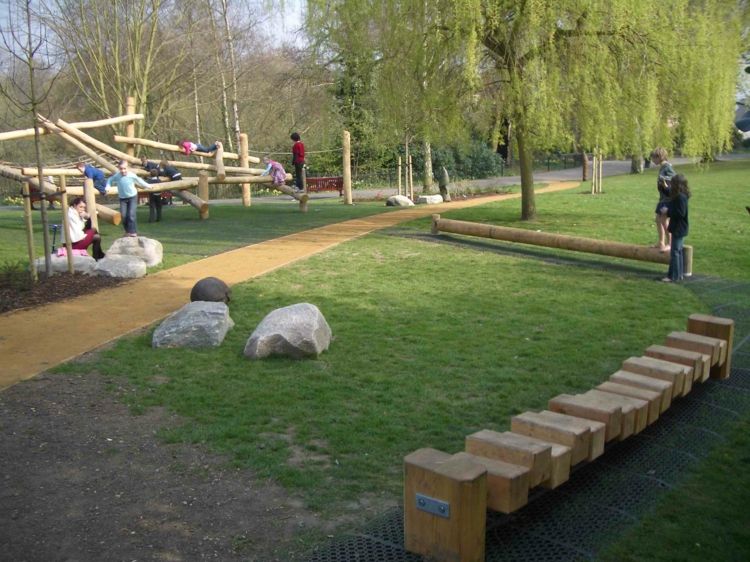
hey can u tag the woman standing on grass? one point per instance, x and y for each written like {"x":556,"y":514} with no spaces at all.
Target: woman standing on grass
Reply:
{"x":125,"y":182}
{"x":677,"y":211}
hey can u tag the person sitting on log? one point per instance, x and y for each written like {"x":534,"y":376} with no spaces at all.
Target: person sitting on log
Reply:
{"x":94,"y":174}
{"x":275,"y":170}
{"x":81,"y":233}
{"x":188,"y":147}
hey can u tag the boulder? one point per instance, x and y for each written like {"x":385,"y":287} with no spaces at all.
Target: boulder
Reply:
{"x":211,"y":289}
{"x":429,"y":199}
{"x":398,"y":201}
{"x":147,"y":249}
{"x":197,"y":324}
{"x":81,"y":264}
{"x":296,"y":331}
{"x":114,"y":265}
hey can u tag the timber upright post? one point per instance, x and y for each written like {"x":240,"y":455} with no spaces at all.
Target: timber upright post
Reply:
{"x":203,"y":192}
{"x":445,"y":506}
{"x":398,"y":176}
{"x":347,"y":165}
{"x":245,"y":163}
{"x":65,"y":225}
{"x":130,"y":125}
{"x":90,"y":198}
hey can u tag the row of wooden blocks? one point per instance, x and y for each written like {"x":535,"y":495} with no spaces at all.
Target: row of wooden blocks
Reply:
{"x":446,"y":496}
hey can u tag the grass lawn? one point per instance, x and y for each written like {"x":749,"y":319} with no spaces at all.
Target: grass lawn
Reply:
{"x":434,"y":337}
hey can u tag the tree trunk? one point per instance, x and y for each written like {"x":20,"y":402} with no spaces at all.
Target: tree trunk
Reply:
{"x":220,"y":66}
{"x":233,"y":75}
{"x":526,"y":161}
{"x":585,"y":166}
{"x":427,"y":183}
{"x":636,"y":164}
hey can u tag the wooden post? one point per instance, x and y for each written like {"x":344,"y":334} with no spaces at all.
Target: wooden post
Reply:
{"x":29,"y":229}
{"x":715,"y":327}
{"x":410,"y":166}
{"x":203,"y":192}
{"x":66,"y":223}
{"x":244,"y":163}
{"x":130,"y":125}
{"x":347,"y":167}
{"x":445,"y":506}
{"x":219,"y":157}
{"x":398,"y":176}
{"x":88,"y":195}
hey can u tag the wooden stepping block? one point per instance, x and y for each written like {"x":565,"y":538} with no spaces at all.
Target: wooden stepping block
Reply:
{"x":584,"y":437}
{"x":652,"y":397}
{"x":507,"y":484}
{"x":593,"y":409}
{"x":515,"y":449}
{"x":435,"y":483}
{"x":681,"y":376}
{"x":714,"y":347}
{"x":638,"y":407}
{"x":665,"y":388}
{"x":715,"y":327}
{"x":560,"y":468}
{"x":696,"y":361}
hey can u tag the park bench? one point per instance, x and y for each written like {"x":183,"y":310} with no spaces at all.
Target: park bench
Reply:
{"x":336,"y":183}
{"x":446,"y":496}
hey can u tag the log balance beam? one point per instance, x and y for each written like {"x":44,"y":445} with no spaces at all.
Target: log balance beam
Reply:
{"x":446,"y":495}
{"x":561,"y":241}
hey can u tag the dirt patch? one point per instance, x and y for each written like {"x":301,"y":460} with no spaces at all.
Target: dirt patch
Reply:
{"x":17,"y":292}
{"x":83,"y":479}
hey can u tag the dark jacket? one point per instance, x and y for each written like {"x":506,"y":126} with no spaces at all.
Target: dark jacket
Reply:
{"x":677,"y":209}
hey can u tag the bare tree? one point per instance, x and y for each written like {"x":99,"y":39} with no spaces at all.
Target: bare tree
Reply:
{"x":30,"y":75}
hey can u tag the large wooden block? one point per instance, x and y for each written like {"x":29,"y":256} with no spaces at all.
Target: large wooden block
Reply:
{"x":435,"y":479}
{"x":639,"y":408}
{"x":560,"y":467}
{"x":696,"y":361}
{"x":562,"y":428}
{"x":507,"y":484}
{"x":577,"y":438}
{"x":664,"y":388}
{"x":515,"y":449}
{"x":715,"y":327}
{"x":652,"y":397}
{"x":715,"y":347}
{"x":677,"y":374}
{"x":590,"y":408}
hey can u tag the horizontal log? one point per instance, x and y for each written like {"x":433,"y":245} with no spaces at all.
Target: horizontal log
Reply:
{"x":28,"y":171}
{"x":109,"y":215}
{"x":172,"y":147}
{"x":193,"y":200}
{"x":560,"y":241}
{"x":28,"y":133}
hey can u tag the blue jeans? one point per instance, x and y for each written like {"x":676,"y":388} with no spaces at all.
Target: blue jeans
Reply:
{"x":128,"y":207}
{"x":676,"y":271}
{"x":202,"y":148}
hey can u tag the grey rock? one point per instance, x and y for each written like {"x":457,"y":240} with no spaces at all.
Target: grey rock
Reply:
{"x":211,"y":289}
{"x":398,"y":201}
{"x":296,"y":331}
{"x":147,"y":249}
{"x":114,"y":265}
{"x":197,"y":324}
{"x":429,"y":199}
{"x":81,"y":264}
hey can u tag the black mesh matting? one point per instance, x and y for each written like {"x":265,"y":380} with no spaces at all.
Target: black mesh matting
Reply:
{"x":603,"y":498}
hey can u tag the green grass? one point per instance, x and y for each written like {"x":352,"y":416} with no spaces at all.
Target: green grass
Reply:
{"x":434,"y":338}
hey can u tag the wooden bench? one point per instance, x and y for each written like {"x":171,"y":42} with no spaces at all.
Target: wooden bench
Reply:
{"x":446,"y":496}
{"x":334,"y":183}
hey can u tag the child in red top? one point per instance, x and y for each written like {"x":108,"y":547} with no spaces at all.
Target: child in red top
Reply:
{"x":298,"y":160}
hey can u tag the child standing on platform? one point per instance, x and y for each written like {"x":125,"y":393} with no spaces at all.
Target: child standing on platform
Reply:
{"x":659,"y":158}
{"x":125,"y":182}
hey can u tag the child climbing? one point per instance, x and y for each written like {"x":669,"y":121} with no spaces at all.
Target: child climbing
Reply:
{"x":275,"y":170}
{"x":188,"y":147}
{"x":154,"y":199}
{"x":659,"y":158}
